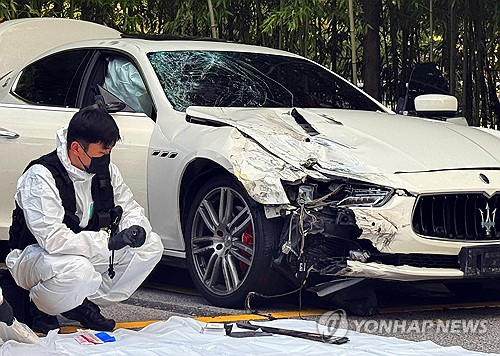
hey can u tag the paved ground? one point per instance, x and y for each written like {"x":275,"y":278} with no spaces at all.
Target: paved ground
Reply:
{"x":428,"y":312}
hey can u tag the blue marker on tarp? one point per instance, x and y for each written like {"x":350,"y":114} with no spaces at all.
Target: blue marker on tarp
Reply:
{"x":105,"y":337}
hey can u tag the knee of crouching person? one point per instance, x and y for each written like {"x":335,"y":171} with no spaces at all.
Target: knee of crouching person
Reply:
{"x":156,"y":244}
{"x":81,"y":269}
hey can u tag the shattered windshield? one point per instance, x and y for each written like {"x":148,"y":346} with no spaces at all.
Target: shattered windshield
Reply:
{"x":239,"y":79}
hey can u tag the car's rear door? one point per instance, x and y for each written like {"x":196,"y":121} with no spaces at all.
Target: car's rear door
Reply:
{"x":46,"y":91}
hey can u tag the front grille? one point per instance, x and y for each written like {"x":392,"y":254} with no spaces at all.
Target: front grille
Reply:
{"x":458,"y":216}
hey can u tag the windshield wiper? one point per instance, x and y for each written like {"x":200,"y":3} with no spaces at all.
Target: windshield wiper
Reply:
{"x":299,"y":119}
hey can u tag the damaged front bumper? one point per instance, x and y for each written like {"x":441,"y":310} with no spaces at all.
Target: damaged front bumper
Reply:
{"x":472,"y":262}
{"x":397,"y":273}
{"x":329,"y":242}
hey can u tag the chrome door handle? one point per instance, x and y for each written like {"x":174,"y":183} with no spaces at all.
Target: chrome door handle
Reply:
{"x":8,"y":134}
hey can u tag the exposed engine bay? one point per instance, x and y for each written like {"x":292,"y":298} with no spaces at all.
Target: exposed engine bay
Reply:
{"x":319,"y":234}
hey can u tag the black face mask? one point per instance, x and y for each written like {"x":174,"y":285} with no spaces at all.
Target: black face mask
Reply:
{"x":98,"y":165}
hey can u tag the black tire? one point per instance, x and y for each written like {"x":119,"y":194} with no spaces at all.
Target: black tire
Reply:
{"x":258,"y":276}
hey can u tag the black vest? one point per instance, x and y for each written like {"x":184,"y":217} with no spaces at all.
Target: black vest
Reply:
{"x":102,"y":194}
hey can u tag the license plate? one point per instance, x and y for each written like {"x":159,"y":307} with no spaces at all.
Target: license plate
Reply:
{"x":480,"y":261}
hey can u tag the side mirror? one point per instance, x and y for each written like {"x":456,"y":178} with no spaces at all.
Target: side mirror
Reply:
{"x":115,"y":106}
{"x":436,"y":105}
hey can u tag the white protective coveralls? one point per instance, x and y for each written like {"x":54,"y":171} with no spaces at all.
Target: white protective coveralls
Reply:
{"x":65,"y":268}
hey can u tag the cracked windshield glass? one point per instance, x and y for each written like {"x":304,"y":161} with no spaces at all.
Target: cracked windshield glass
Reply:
{"x":240,"y":79}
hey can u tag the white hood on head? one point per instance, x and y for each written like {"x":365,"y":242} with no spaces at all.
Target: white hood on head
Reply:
{"x":76,"y":174}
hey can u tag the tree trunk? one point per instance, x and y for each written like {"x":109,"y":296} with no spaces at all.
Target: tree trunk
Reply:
{"x":259,"y":33}
{"x":480,"y":51}
{"x":371,"y":47}
{"x":304,"y":38}
{"x":476,"y":99}
{"x":393,"y":33}
{"x":445,"y":49}
{"x":281,"y":34}
{"x":494,"y":102}
{"x":431,"y":33}
{"x":87,"y":11}
{"x":211,"y":14}
{"x":333,"y":42}
{"x":58,"y":8}
{"x":414,"y":46}
{"x":386,"y":92}
{"x":405,"y":63}
{"x":453,"y":46}
{"x":71,"y":9}
{"x":352,"y":36}
{"x":230,"y":21}
{"x":243,"y":26}
{"x":466,"y":70}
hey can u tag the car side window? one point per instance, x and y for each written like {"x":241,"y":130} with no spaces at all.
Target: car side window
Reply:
{"x":123,"y":80}
{"x":54,"y":80}
{"x":117,"y":80}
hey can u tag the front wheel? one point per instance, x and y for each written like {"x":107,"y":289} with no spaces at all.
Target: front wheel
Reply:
{"x":229,"y":243}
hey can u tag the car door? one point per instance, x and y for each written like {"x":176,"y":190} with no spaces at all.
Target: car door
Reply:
{"x":117,"y":79}
{"x":46,"y":91}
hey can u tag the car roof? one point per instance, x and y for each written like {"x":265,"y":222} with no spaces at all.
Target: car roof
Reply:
{"x":44,"y":36}
{"x":147,"y":46}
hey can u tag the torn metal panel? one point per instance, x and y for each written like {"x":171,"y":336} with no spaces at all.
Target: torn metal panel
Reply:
{"x":398,"y":273}
{"x":382,"y":225}
{"x":376,"y":227}
{"x":369,"y":147}
{"x":259,"y":170}
{"x":278,"y":132}
{"x":260,"y":173}
{"x":331,"y":287}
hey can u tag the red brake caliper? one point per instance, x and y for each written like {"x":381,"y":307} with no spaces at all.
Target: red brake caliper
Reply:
{"x":247,"y":239}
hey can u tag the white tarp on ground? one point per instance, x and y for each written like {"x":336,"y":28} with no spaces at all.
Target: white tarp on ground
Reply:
{"x":182,"y":336}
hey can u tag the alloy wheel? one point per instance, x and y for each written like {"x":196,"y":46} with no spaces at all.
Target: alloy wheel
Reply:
{"x":222,"y":240}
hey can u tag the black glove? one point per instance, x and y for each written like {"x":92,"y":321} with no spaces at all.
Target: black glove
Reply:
{"x":6,"y":314}
{"x":133,"y":236}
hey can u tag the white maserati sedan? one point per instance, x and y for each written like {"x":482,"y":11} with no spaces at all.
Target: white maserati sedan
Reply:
{"x":257,"y":165}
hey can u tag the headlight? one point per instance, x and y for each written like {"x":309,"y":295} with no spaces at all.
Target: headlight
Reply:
{"x":346,"y":194}
{"x":366,"y":196}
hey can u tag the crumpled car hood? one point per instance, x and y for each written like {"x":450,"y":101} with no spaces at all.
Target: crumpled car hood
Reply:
{"x":359,"y":144}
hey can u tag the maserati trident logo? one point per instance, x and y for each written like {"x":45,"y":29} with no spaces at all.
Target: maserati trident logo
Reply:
{"x":488,"y":219}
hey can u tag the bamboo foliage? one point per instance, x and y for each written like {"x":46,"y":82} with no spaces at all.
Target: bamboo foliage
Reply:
{"x":391,"y":36}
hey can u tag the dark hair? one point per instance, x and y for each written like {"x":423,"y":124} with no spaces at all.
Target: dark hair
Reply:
{"x":93,"y":124}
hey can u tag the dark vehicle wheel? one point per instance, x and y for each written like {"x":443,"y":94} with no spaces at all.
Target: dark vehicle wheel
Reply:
{"x":229,"y":243}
